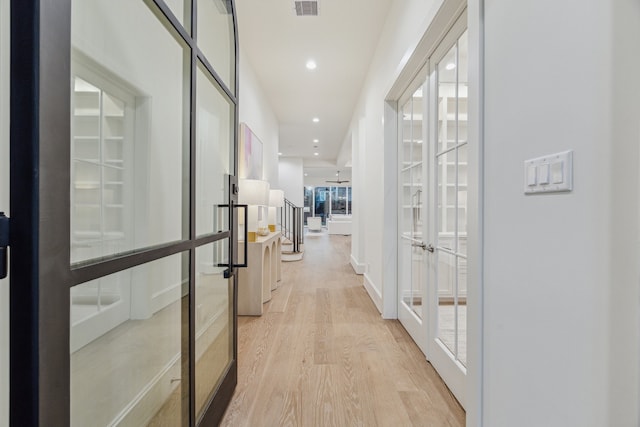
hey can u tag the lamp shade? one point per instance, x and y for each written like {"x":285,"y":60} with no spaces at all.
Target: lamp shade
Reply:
{"x":276,"y":198}
{"x":253,"y":192}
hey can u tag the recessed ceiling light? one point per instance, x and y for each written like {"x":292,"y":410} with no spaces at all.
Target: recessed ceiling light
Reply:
{"x":306,"y":174}
{"x":316,"y":120}
{"x":316,"y":154}
{"x":450,"y":66}
{"x":316,"y":141}
{"x":279,"y":154}
{"x":311,"y":64}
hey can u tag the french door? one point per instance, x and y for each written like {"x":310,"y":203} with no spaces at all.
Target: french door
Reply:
{"x":432,"y":150}
{"x":447,"y":263}
{"x":413,"y":214}
{"x":123,"y":142}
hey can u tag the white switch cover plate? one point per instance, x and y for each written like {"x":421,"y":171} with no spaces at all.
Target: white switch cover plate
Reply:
{"x":560,"y":168}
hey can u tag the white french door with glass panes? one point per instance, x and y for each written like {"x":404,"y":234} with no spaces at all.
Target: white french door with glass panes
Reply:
{"x":412,"y":215}
{"x":432,"y":209}
{"x":447,"y":264}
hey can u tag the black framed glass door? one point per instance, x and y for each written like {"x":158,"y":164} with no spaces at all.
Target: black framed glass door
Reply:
{"x":123,"y":142}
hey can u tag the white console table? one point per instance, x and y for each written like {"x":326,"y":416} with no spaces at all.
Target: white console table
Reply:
{"x":262,"y":274}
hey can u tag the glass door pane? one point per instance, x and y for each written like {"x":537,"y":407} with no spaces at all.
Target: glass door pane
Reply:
{"x":215,"y":156}
{"x":406,"y":220}
{"x":216,"y":38}
{"x":338,"y":200}
{"x":405,"y":228}
{"x":308,"y":203}
{"x":412,"y":222}
{"x":451,"y":215}
{"x":129,"y":127}
{"x":182,"y":10}
{"x":131,"y":371}
{"x":214,"y":321}
{"x":321,"y":206}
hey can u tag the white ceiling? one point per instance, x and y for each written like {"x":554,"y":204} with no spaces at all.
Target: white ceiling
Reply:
{"x":341,"y":40}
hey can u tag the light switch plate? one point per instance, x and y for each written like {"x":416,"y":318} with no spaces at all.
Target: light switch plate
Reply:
{"x":543,"y":174}
{"x":554,"y":173}
{"x":557,"y":172}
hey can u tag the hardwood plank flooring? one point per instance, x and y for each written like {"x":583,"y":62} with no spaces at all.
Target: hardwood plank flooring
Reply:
{"x":322,"y":355}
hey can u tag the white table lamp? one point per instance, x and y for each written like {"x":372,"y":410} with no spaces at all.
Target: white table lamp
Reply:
{"x":276,"y":200}
{"x":253,"y":193}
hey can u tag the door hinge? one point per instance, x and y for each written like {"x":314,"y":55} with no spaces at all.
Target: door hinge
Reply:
{"x":4,"y":243}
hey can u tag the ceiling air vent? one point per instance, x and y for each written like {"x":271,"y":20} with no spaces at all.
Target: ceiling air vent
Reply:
{"x":306,"y":8}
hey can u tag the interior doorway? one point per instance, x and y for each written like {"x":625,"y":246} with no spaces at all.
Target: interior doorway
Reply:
{"x":449,"y":164}
{"x":433,"y":180}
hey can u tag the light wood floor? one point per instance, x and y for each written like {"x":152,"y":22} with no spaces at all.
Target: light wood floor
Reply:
{"x":322,"y":355}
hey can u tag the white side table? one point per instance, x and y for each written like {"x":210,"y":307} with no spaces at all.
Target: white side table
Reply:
{"x":262,"y":274}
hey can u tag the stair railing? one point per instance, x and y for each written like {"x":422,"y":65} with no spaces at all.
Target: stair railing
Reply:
{"x":292,"y":224}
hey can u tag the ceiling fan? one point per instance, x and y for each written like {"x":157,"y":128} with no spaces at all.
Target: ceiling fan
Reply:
{"x":338,"y":181}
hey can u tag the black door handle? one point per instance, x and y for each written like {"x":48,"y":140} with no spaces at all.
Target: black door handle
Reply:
{"x":4,"y":243}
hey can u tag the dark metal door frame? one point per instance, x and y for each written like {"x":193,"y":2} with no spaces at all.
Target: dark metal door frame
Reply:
{"x":41,"y":275}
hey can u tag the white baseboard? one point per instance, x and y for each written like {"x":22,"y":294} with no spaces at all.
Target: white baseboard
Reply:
{"x":358,"y":267}
{"x":152,"y":396}
{"x":375,"y":296}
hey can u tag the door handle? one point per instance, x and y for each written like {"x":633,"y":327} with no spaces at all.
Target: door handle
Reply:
{"x":4,"y":243}
{"x":229,"y":271}
{"x":245,"y":209}
{"x":424,"y":246}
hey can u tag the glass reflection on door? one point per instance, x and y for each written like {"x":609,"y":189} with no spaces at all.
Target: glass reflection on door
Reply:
{"x":138,"y":192}
{"x":215,"y":156}
{"x":413,"y":204}
{"x":132,"y":372}
{"x":338,"y":200}
{"x":321,"y":203}
{"x":214,"y":320}
{"x":129,"y":130}
{"x":451,"y":215}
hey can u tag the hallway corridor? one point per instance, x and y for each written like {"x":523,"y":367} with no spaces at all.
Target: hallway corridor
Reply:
{"x":322,"y":355}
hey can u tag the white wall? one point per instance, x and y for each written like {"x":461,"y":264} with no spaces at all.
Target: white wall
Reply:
{"x":4,"y":206}
{"x":561,"y":274}
{"x":258,"y":114}
{"x":561,"y":280}
{"x":624,"y":302}
{"x":358,"y":179}
{"x":291,"y":179}
{"x":406,"y":23}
